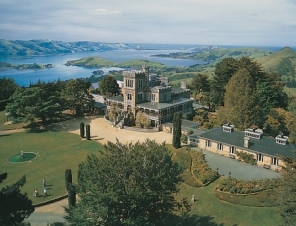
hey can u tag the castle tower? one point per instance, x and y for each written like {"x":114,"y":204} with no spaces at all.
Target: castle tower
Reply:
{"x":135,"y":85}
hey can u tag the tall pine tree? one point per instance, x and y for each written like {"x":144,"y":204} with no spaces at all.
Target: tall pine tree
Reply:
{"x":286,"y":197}
{"x":177,"y":130}
{"x":241,"y":107}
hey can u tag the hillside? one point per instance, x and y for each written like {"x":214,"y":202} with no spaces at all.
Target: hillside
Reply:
{"x":213,"y":55}
{"x":272,"y":61}
{"x":39,"y":47}
{"x":93,"y":62}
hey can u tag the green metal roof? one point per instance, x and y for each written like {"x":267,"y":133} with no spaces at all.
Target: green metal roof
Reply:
{"x":118,"y":98}
{"x":264,"y":145}
{"x":159,"y":106}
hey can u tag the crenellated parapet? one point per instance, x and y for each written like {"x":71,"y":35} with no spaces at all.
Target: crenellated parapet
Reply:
{"x":133,"y":73}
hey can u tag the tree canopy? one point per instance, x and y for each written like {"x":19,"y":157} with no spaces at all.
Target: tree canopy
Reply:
{"x":286,"y":197}
{"x":241,"y":105}
{"x":129,"y":184}
{"x":76,"y":95}
{"x":109,"y":86}
{"x":14,"y":206}
{"x":177,"y":130}
{"x":31,"y":103}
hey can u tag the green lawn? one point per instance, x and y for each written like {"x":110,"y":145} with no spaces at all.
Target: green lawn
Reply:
{"x":209,"y":210}
{"x":61,"y":150}
{"x":57,"y":151}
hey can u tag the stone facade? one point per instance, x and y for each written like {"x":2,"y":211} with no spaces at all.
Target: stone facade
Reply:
{"x":267,"y":151}
{"x":159,"y":103}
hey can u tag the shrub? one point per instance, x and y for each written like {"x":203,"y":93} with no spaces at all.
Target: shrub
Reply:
{"x":246,"y":157}
{"x":184,"y":138}
{"x":82,"y":129}
{"x":235,"y":186}
{"x":88,"y":132}
{"x":68,"y":178}
{"x":201,"y":170}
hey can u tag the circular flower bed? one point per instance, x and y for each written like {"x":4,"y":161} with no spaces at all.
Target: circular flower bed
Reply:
{"x":22,"y":157}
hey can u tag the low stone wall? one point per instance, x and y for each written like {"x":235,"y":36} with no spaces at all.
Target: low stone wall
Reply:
{"x":140,"y":129}
{"x":51,"y":201}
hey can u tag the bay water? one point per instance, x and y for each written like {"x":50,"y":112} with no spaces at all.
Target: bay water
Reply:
{"x":63,"y":72}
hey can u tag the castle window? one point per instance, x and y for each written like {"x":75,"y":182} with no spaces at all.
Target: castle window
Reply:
{"x":140,"y":96}
{"x":164,"y":97}
{"x":275,"y":161}
{"x":129,"y":96}
{"x":260,"y":157}
{"x":152,"y":97}
{"x":129,"y":83}
{"x":140,"y":83}
{"x":232,"y":150}
{"x":220,"y":147}
{"x":208,"y":143}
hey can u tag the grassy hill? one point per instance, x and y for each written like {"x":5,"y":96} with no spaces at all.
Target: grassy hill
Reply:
{"x":270,"y":62}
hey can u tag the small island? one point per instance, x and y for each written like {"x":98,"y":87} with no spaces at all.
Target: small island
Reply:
{"x":6,"y":66}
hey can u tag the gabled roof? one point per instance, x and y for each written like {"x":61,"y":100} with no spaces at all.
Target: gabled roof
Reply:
{"x":98,"y":98}
{"x":264,"y":145}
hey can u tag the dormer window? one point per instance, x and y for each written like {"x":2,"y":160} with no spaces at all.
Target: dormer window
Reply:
{"x":228,"y":128}
{"x":254,"y":133}
{"x":280,"y":139}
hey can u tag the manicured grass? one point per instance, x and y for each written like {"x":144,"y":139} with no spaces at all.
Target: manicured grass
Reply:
{"x":209,"y":210}
{"x":212,"y":211}
{"x":61,"y":150}
{"x":57,"y":151}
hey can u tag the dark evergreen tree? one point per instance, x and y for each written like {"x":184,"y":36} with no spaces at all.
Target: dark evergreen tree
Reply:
{"x":31,"y":103}
{"x":68,"y":178}
{"x":7,"y":88}
{"x":223,"y":72}
{"x":71,"y":196}
{"x":87,"y":132}
{"x":177,"y":130}
{"x":128,"y":184}
{"x":286,"y":197}
{"x":109,"y":86}
{"x":199,"y":83}
{"x":82,"y":132}
{"x":241,"y":103}
{"x":77,"y":97}
{"x":14,"y":206}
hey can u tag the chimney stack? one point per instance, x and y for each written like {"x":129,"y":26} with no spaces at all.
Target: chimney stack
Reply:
{"x":246,"y":142}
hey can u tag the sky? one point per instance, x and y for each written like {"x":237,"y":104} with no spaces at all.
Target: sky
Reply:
{"x":198,"y":22}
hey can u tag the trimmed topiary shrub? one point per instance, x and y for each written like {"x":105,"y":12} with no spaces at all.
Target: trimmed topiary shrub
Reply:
{"x":82,"y":129}
{"x":68,"y":178}
{"x":88,"y":132}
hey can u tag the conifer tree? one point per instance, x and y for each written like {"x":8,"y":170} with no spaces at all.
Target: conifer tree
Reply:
{"x":14,"y":206}
{"x":129,"y":184}
{"x":68,"y":178}
{"x":286,"y":197}
{"x":177,"y":130}
{"x":82,"y":132}
{"x":241,"y":106}
{"x":87,"y":132}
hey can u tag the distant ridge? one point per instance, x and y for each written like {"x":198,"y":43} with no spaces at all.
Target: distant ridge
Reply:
{"x":270,"y":62}
{"x":40,"y":47}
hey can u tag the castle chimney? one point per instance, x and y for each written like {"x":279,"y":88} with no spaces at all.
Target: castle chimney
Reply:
{"x":246,"y":142}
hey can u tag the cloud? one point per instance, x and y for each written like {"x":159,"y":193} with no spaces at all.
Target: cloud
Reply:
{"x":104,"y":12}
{"x":227,"y":22}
